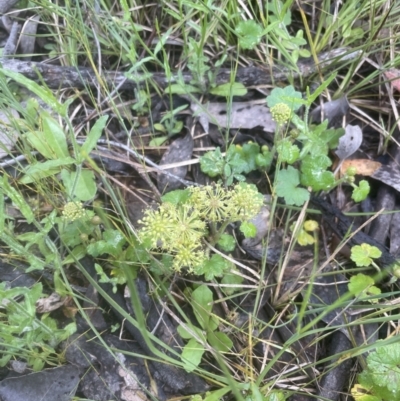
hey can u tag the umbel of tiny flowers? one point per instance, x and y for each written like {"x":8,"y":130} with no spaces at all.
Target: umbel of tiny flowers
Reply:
{"x":245,"y":202}
{"x":73,"y":211}
{"x":179,"y":229}
{"x":211,"y":201}
{"x":281,"y":113}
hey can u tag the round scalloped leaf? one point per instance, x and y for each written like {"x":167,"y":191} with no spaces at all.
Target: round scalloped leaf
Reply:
{"x":249,"y":33}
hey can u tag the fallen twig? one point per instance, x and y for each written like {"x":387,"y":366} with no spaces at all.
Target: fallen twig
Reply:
{"x":57,"y":77}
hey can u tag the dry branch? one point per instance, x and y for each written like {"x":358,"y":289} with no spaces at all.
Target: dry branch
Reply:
{"x":57,"y":77}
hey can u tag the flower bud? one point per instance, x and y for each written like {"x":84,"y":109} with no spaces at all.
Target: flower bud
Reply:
{"x":281,"y":113}
{"x":95,"y":220}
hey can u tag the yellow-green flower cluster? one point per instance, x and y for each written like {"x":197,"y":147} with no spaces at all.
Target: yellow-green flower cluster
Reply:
{"x":73,"y":211}
{"x":211,"y":201}
{"x":179,"y":229}
{"x":245,"y":202}
{"x":281,"y":113}
{"x":216,"y":204}
{"x":188,"y":257}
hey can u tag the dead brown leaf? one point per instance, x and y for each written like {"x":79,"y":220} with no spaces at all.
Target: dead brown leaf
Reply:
{"x":394,"y":76}
{"x":363,"y":166}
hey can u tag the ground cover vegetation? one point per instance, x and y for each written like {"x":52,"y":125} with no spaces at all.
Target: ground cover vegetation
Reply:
{"x":199,"y":199}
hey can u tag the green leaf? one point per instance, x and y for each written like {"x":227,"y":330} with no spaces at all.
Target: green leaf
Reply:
{"x":275,"y":395}
{"x":363,"y":286}
{"x":304,"y":53}
{"x":248,"y":229}
{"x":80,"y":185}
{"x":17,"y":199}
{"x":363,"y":254}
{"x":112,"y":244}
{"x":94,"y":135}
{"x":248,"y":153}
{"x":233,"y":280}
{"x":186,"y":335}
{"x":162,"y":266}
{"x":361,"y":192}
{"x":312,"y":97}
{"x":38,"y":364}
{"x":304,"y":238}
{"x":43,"y":92}
{"x":182,"y":89}
{"x":68,"y":232}
{"x":249,"y":33}
{"x":212,"y":163}
{"x":287,"y":187}
{"x":384,"y":365}
{"x":213,"y":267}
{"x":369,"y":388}
{"x":360,"y":393}
{"x":229,"y":89}
{"x":161,"y":41}
{"x":264,"y":160}
{"x":288,"y":152}
{"x":314,"y":173}
{"x":136,"y":252}
{"x":287,"y":95}
{"x":315,"y":162}
{"x":38,"y":171}
{"x":54,"y":137}
{"x":216,"y":395}
{"x":2,"y":212}
{"x":192,"y":354}
{"x":158,"y":141}
{"x":34,"y":262}
{"x":75,"y":254}
{"x":331,"y":137}
{"x":359,"y":283}
{"x":202,"y":299}
{"x":219,"y":341}
{"x":318,"y":180}
{"x":37,"y":141}
{"x":227,"y":243}
{"x":176,"y":197}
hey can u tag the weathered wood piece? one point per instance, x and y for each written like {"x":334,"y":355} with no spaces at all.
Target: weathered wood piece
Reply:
{"x":57,"y":77}
{"x":5,"y":5}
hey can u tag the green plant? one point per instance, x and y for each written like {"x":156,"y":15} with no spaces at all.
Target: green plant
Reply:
{"x":50,"y":140}
{"x":303,"y":236}
{"x":380,"y":380}
{"x":201,"y":300}
{"x":169,"y":123}
{"x":238,"y":161}
{"x":23,"y":334}
{"x":304,"y":150}
{"x":117,"y":36}
{"x":250,"y":34}
{"x":363,"y":255}
{"x":80,"y":231}
{"x":363,"y":286}
{"x":280,"y":17}
{"x":311,"y":158}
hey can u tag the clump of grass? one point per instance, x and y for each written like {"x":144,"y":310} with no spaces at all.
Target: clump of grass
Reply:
{"x":141,"y":39}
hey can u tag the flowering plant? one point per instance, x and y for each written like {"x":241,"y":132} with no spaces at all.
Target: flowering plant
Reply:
{"x":187,"y":220}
